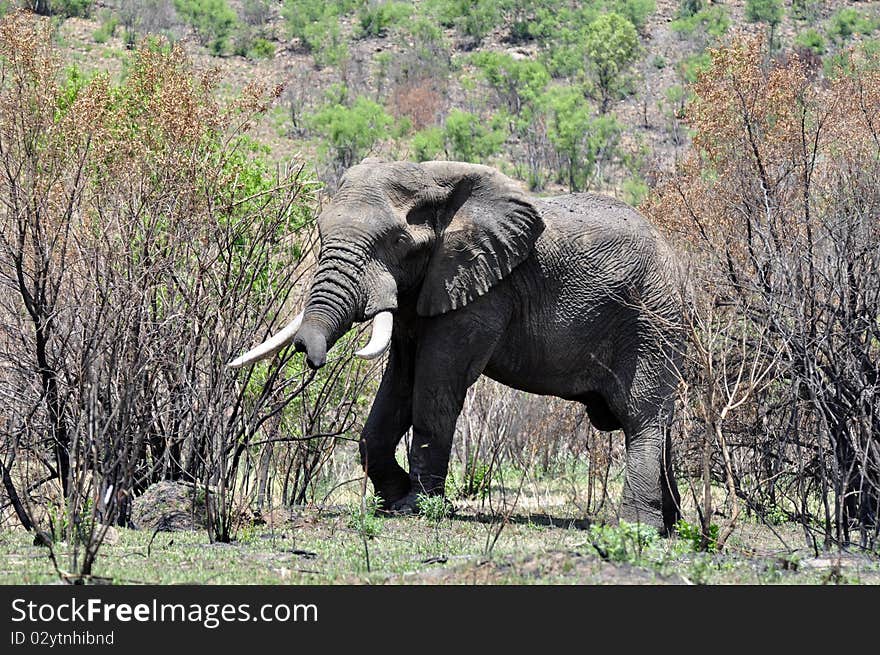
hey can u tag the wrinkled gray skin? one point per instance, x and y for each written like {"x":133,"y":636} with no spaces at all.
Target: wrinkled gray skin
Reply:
{"x":573,"y":296}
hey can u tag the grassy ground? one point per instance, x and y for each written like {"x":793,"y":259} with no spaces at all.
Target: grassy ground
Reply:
{"x":327,"y":546}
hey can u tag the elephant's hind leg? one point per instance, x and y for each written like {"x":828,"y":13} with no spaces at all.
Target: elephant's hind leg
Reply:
{"x":650,"y":495}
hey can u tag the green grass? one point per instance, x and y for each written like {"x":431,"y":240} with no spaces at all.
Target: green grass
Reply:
{"x":312,"y":546}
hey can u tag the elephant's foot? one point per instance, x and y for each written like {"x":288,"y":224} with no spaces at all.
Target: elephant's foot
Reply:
{"x":409,"y":504}
{"x":392,"y":488}
{"x":632,"y":512}
{"x":413,"y":503}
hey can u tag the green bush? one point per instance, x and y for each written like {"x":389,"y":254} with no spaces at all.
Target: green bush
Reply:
{"x":473,"y":18}
{"x":348,"y":133}
{"x":806,"y":10}
{"x":213,"y":21}
{"x":580,"y":139}
{"x":764,"y":11}
{"x":634,"y":191}
{"x":469,"y":139}
{"x":428,"y":144}
{"x":518,"y":82}
{"x":107,"y":29}
{"x":693,"y":534}
{"x":262,"y":49}
{"x":636,"y":12}
{"x":688,"y":8}
{"x":811,"y":40}
{"x":72,"y":8}
{"x":848,"y":22}
{"x":316,"y":24}
{"x":434,"y":508}
{"x":363,"y":517}
{"x":611,"y":47}
{"x":690,"y":67}
{"x":712,"y":22}
{"x":377,"y":16}
{"x":628,"y":543}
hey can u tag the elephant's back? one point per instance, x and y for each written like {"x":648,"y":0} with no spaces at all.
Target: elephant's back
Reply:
{"x":573,"y":215}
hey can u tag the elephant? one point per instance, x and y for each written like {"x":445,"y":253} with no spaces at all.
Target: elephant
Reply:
{"x":464,"y":274}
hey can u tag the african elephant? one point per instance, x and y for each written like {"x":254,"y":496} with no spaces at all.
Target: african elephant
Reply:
{"x":574,"y":296}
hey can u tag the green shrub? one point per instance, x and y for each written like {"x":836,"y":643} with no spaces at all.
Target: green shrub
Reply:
{"x":611,"y":47}
{"x":348,"y":133}
{"x":469,"y":139}
{"x":377,"y":16}
{"x":428,"y":144}
{"x":764,"y":11}
{"x":316,"y":25}
{"x":434,"y":508}
{"x":848,"y":22}
{"x":805,"y":10}
{"x":636,"y":12}
{"x":693,"y":534}
{"x":213,"y":21}
{"x":690,"y":67}
{"x":712,"y":22}
{"x":262,"y":49}
{"x":811,"y":40}
{"x":689,"y":8}
{"x":72,"y":8}
{"x":629,"y":543}
{"x":579,"y":139}
{"x":634,"y":190}
{"x":473,"y":18}
{"x":107,"y":29}
{"x":363,"y":518}
{"x":517,"y":82}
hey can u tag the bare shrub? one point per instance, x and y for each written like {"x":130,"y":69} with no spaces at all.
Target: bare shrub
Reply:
{"x":419,"y":101}
{"x":143,"y":243}
{"x":779,"y":201}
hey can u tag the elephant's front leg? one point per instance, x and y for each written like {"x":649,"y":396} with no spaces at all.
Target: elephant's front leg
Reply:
{"x":450,"y":358}
{"x":390,"y":417}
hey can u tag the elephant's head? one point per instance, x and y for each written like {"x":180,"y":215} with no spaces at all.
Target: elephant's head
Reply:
{"x":442,"y":233}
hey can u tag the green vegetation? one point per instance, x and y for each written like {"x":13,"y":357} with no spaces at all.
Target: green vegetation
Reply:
{"x":709,"y":23}
{"x":580,"y":139}
{"x":376,"y":17}
{"x":611,"y":47}
{"x":562,"y":96}
{"x":213,"y":21}
{"x":349,"y":131}
{"x":434,"y":508}
{"x":766,"y":11}
{"x":693,"y":534}
{"x":363,"y":517}
{"x":71,"y":8}
{"x":469,"y":138}
{"x":811,"y":40}
{"x":848,"y":22}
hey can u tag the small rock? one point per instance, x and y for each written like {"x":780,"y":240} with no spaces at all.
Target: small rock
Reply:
{"x":43,"y":538}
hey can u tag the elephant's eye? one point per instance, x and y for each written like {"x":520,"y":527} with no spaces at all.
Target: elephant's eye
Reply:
{"x":402,"y":239}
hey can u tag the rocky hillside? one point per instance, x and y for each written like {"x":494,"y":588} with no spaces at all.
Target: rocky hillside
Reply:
{"x":582,"y":95}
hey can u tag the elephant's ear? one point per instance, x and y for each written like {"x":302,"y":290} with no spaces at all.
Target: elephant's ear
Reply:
{"x":486,"y":227}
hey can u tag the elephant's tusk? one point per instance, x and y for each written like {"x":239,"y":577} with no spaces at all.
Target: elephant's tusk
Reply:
{"x":380,"y":339}
{"x":271,"y":345}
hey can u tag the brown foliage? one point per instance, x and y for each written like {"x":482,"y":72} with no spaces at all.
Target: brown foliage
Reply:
{"x":778,"y":206}
{"x":419,"y":101}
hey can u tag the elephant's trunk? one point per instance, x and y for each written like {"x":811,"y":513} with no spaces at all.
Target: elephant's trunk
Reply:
{"x":312,"y":340}
{"x":336,"y":300}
